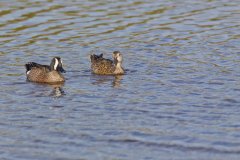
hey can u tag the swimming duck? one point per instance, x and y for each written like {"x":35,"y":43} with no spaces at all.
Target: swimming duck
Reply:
{"x":45,"y":74}
{"x":100,"y":65}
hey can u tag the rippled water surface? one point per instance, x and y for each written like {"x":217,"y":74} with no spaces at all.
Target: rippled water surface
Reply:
{"x":178,"y":100}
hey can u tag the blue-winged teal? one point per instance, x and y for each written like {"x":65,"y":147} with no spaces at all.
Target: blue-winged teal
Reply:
{"x":45,"y":74}
{"x":100,"y":65}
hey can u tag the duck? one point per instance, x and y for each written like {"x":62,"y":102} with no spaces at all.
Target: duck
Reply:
{"x":45,"y":73}
{"x":103,"y":66}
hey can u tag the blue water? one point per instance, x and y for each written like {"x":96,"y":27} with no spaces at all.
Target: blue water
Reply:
{"x":178,"y":100}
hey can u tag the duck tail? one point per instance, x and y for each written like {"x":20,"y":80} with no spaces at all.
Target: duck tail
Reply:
{"x":30,"y":65}
{"x":95,"y":57}
{"x":92,"y":57}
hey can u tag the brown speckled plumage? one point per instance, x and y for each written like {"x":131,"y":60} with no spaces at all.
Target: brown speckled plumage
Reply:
{"x":45,"y":74}
{"x":100,"y":65}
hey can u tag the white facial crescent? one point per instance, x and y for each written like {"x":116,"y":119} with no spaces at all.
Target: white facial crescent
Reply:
{"x":56,"y":64}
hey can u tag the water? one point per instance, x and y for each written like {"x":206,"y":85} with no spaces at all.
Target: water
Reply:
{"x":178,"y":100}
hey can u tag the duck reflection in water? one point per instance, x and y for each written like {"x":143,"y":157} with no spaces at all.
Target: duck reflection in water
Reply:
{"x":57,"y":90}
{"x":103,"y":79}
{"x":117,"y":81}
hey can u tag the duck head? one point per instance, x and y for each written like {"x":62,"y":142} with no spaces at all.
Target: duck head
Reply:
{"x":57,"y":64}
{"x":117,"y":56}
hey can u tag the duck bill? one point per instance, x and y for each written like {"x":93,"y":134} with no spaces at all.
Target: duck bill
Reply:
{"x":62,"y":70}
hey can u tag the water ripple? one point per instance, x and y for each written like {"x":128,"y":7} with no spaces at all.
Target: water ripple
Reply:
{"x":180,"y":94}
